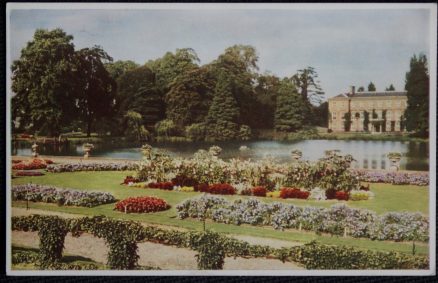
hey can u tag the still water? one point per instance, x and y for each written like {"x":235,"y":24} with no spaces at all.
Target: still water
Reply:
{"x":368,"y":154}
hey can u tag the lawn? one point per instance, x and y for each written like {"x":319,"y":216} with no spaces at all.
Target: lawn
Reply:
{"x":387,"y":198}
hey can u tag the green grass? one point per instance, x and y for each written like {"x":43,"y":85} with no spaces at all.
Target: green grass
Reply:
{"x":387,"y":198}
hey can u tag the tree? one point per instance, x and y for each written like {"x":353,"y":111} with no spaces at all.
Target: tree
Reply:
{"x":223,"y":114}
{"x":288,"y":115}
{"x":189,"y":97}
{"x":306,"y":81}
{"x":118,"y":68}
{"x":266,"y":90}
{"x":134,"y":126}
{"x":95,"y":87}
{"x":361,"y":89}
{"x":366,"y":121}
{"x":371,"y":87}
{"x":321,"y":114}
{"x":239,"y":62}
{"x":390,"y":88}
{"x":42,"y":82}
{"x":347,"y":121}
{"x":138,"y":92}
{"x":417,"y":87}
{"x":172,"y":65}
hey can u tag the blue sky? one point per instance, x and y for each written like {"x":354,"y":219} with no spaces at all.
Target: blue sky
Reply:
{"x":346,"y":47}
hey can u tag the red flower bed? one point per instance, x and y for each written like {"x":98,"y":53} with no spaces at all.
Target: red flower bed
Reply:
{"x":32,"y":165}
{"x":162,"y":186}
{"x":142,"y":204}
{"x":342,"y":195}
{"x":130,"y":179}
{"x":246,"y":192}
{"x":48,"y":161}
{"x":28,"y":173}
{"x":293,"y":193}
{"x":218,"y":189}
{"x":258,"y":191}
{"x":16,"y":161}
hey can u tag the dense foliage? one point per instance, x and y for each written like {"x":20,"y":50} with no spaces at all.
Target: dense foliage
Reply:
{"x":336,"y":220}
{"x":61,"y":196}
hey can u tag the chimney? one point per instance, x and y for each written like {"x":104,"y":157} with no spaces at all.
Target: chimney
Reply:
{"x":352,"y":90}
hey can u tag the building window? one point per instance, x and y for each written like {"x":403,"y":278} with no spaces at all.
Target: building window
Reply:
{"x":334,"y":115}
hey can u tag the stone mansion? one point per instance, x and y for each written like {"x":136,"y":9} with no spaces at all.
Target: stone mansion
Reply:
{"x":367,"y":111}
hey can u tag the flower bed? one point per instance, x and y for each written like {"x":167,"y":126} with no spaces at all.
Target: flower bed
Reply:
{"x":161,"y":185}
{"x":28,"y":173}
{"x":360,"y":195}
{"x":219,"y":189}
{"x":396,"y":178}
{"x":256,"y":191}
{"x":293,"y":193}
{"x":141,"y":205}
{"x":30,"y":165}
{"x":50,"y":194}
{"x":107,"y":166}
{"x":337,"y":220}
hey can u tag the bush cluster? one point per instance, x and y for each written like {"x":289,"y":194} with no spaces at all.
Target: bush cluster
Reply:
{"x":61,"y":196}
{"x":142,"y":204}
{"x":336,"y":220}
{"x":293,"y":193}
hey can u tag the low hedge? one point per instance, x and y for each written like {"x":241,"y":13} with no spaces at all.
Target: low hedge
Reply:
{"x":123,"y":236}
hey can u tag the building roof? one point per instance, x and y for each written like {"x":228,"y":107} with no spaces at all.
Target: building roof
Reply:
{"x":379,"y":94}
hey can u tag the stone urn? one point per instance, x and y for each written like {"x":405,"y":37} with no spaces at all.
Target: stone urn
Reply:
{"x":34,"y":150}
{"x":146,"y":149}
{"x":394,"y":160}
{"x":243,"y":148}
{"x":87,"y":149}
{"x":296,"y":154}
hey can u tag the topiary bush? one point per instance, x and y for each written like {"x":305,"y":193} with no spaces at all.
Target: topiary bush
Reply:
{"x":210,"y":247}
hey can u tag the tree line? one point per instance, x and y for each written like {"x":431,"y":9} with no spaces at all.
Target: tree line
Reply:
{"x":59,"y":89}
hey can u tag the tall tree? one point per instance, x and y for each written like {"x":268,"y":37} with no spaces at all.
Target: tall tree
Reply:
{"x":266,"y":90}
{"x":138,"y":92}
{"x":371,"y":87}
{"x":240,"y":64}
{"x":289,"y":116}
{"x":361,"y":89}
{"x":95,"y":87}
{"x":223,"y":114}
{"x":417,"y":87}
{"x":390,"y":88}
{"x":308,"y":85}
{"x":42,"y":82}
{"x":189,"y":97}
{"x":321,"y":114}
{"x":171,"y":65}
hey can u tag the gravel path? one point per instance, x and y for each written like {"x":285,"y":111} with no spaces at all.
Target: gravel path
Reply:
{"x":152,"y":254}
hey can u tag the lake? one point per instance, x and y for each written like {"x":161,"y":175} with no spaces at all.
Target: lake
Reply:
{"x":368,"y":154}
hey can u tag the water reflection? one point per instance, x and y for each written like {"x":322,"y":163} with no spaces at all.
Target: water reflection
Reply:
{"x":368,"y":154}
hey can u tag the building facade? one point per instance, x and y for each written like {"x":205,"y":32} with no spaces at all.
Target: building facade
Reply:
{"x":374,"y":112}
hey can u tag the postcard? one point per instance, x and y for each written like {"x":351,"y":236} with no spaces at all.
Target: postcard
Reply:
{"x":221,"y":139}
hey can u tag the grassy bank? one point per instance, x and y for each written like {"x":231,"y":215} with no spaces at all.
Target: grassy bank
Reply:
{"x":388,"y":198}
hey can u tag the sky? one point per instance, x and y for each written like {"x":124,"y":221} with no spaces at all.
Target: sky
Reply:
{"x":346,"y":47}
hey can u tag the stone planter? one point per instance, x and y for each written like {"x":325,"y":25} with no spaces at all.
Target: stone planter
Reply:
{"x":87,"y":149}
{"x":394,"y":161}
{"x":34,"y":150}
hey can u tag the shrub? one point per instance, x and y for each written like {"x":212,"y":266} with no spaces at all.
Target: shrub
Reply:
{"x":259,"y":191}
{"x":293,"y":193}
{"x":29,"y":173}
{"x":141,"y":204}
{"x":342,"y":195}
{"x":104,"y":166}
{"x":219,"y":189}
{"x":246,"y":192}
{"x":210,"y":247}
{"x":50,"y":194}
{"x":161,"y":185}
{"x":330,"y":194}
